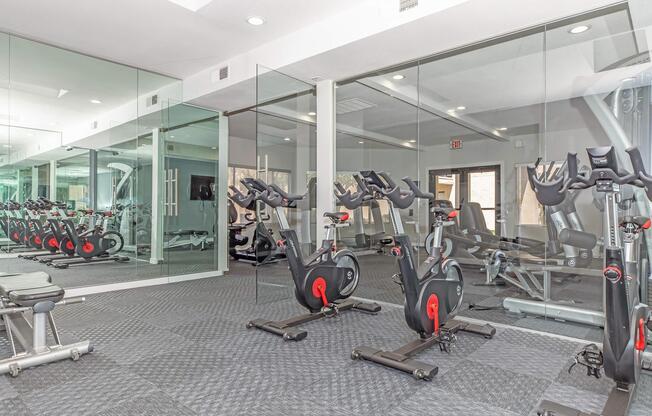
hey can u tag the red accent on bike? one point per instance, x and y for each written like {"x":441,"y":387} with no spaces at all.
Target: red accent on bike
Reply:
{"x":16,"y":236}
{"x":70,"y":245}
{"x":38,"y":240}
{"x":53,"y":243}
{"x":87,"y":247}
{"x":641,"y":338}
{"x":453,"y":214}
{"x":319,"y":289}
{"x":647,"y":224}
{"x":432,"y":309}
{"x":613,"y":269}
{"x":396,"y":251}
{"x":344,"y":217}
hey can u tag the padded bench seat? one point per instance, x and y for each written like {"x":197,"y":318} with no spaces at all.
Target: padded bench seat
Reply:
{"x":30,"y":288}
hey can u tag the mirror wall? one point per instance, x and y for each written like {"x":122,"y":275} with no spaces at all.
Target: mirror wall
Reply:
{"x":88,"y":148}
{"x":466,"y":123}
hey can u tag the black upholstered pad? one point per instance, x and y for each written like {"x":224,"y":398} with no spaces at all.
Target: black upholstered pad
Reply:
{"x":30,"y":288}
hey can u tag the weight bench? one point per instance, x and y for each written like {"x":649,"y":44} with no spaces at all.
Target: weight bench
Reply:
{"x":26,"y":304}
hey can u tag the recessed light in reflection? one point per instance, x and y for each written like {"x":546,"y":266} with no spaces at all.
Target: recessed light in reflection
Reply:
{"x":461,"y":108}
{"x":628,"y":79}
{"x":312,"y":114}
{"x":214,"y":147}
{"x":579,"y":29}
{"x":256,"y":21}
{"x":287,"y":139}
{"x":502,"y":128}
{"x":361,"y":142}
{"x":96,"y":101}
{"x":413,"y":141}
{"x":398,"y":77}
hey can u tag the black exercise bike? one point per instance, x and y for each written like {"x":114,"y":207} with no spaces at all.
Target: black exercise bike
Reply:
{"x":323,"y":281}
{"x":626,"y":318}
{"x":433,"y":291}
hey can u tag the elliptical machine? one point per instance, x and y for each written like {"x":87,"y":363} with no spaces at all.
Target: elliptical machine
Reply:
{"x":626,"y":318}
{"x":433,"y":291}
{"x":323,"y":281}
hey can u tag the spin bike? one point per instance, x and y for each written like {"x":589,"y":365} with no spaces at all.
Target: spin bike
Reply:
{"x":626,"y":318}
{"x":323,"y":281}
{"x":433,"y":291}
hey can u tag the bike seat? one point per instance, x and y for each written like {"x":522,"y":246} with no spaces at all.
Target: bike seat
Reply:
{"x":337,"y":216}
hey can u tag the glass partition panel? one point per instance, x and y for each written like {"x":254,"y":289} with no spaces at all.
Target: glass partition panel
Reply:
{"x":286,"y":157}
{"x":598,"y":94}
{"x":73,"y":181}
{"x":190,"y":146}
{"x":377,"y":130}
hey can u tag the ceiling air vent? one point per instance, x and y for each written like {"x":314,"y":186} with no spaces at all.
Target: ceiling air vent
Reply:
{"x":224,"y":73}
{"x":404,"y":5}
{"x":352,"y":105}
{"x":170,"y":148}
{"x":153,"y":100}
{"x":94,"y":125}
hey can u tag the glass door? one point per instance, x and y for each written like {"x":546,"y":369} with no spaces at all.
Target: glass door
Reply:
{"x":479,"y":184}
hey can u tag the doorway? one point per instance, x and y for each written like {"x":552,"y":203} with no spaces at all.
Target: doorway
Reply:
{"x":479,"y":184}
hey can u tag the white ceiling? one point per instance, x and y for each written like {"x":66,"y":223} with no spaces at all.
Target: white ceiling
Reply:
{"x":159,"y":35}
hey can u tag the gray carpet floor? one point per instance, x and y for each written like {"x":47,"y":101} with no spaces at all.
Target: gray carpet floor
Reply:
{"x":177,"y":262}
{"x":182,"y":349}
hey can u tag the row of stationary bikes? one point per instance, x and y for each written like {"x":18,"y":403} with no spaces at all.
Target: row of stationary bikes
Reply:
{"x":45,"y":231}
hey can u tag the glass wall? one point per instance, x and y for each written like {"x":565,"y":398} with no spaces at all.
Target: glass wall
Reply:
{"x":466,"y":124}
{"x":285,"y":156}
{"x":82,"y":132}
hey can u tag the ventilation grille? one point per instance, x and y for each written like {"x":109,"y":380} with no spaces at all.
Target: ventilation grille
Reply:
{"x":352,"y":105}
{"x":224,"y":73}
{"x":404,"y":5}
{"x":153,"y":100}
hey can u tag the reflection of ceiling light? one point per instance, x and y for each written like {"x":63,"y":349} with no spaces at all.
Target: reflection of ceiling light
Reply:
{"x":171,"y":137}
{"x":398,"y":77}
{"x":192,"y":5}
{"x":502,"y":128}
{"x":214,"y":148}
{"x":412,"y":141}
{"x":255,"y":20}
{"x":287,"y":139}
{"x":629,"y":79}
{"x":579,"y":29}
{"x":62,"y":92}
{"x":451,"y":111}
{"x":312,"y":114}
{"x":461,"y":108}
{"x":96,"y":101}
{"x":407,"y":144}
{"x":8,"y":146}
{"x":361,"y":142}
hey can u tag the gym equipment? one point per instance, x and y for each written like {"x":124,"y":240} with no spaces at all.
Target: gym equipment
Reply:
{"x":92,"y":244}
{"x":626,"y":318}
{"x":26,"y":304}
{"x":433,"y":291}
{"x":236,"y":239}
{"x":184,"y":238}
{"x":323,"y":281}
{"x":263,"y":249}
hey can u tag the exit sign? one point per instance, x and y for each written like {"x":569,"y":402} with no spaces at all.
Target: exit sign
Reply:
{"x":456,"y":144}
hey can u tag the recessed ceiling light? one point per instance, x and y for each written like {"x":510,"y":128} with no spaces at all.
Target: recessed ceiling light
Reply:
{"x":62,"y":92}
{"x":287,"y":139}
{"x":412,"y":141}
{"x":214,"y":148}
{"x":256,"y":20}
{"x":171,"y":137}
{"x":361,"y":142}
{"x":461,"y":108}
{"x":502,"y":128}
{"x":96,"y":101}
{"x":579,"y":29}
{"x":407,"y":144}
{"x":398,"y":77}
{"x":628,"y":79}
{"x":312,"y":114}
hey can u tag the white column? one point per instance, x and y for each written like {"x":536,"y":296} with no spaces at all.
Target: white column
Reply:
{"x":158,"y":194}
{"x":222,"y":183}
{"x":53,"y":180}
{"x":325,"y":153}
{"x":34,"y":183}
